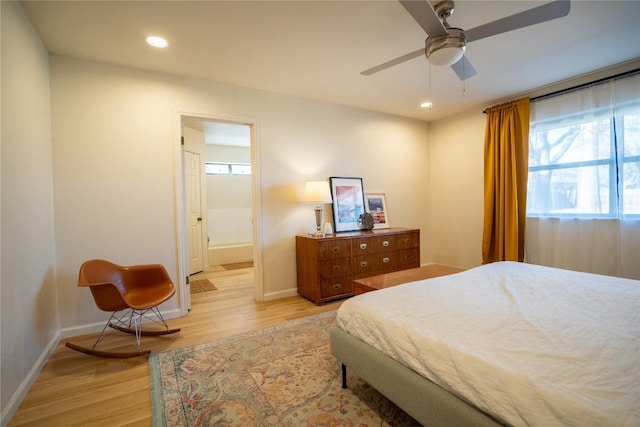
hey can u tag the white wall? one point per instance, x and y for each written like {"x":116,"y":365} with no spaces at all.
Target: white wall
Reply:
{"x":457,"y":188}
{"x":229,"y":201}
{"x":228,"y":191}
{"x":115,"y":143}
{"x":29,"y":302}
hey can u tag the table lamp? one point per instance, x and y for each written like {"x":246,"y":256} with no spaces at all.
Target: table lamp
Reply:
{"x":318,"y":192}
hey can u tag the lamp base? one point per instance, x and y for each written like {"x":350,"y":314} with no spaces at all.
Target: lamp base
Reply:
{"x":318,"y":232}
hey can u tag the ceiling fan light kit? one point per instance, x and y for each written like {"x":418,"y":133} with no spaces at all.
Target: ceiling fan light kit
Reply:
{"x":444,"y":51}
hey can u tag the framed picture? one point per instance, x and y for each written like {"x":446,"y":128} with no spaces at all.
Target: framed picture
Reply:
{"x":376,"y":205}
{"x":348,"y":202}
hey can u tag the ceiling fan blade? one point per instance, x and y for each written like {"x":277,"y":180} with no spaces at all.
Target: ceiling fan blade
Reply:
{"x":425,"y":16}
{"x":546,"y":12}
{"x":393,"y":62}
{"x":464,"y":69}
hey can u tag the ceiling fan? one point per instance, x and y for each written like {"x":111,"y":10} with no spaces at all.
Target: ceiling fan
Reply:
{"x":445,"y":45}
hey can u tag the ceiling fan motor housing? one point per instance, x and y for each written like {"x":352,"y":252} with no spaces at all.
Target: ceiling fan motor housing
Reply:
{"x":444,"y":51}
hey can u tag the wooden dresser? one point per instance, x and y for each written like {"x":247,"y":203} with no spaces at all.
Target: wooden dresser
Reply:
{"x":327,"y":266}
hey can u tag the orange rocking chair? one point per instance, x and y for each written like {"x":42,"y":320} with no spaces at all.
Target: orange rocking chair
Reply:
{"x":131,"y":294}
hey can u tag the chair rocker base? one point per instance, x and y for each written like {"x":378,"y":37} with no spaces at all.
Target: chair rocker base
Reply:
{"x":107,"y":354}
{"x":129,"y":323}
{"x":143,"y":332}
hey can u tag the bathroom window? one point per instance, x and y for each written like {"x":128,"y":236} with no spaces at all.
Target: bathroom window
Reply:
{"x":218,"y":168}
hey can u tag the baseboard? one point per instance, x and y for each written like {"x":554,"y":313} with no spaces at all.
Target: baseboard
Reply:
{"x":14,"y":403}
{"x":281,"y":294}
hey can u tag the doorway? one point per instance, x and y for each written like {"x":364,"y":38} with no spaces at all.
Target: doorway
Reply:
{"x":220,"y":181}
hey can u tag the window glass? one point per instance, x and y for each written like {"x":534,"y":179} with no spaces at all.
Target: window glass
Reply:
{"x":240,"y":169}
{"x":211,"y":168}
{"x":216,"y":168}
{"x":584,"y":155}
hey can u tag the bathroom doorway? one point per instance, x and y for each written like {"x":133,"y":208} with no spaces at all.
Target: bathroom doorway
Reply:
{"x":227,"y":195}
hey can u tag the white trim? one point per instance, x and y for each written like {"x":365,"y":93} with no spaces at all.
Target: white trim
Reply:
{"x":21,"y":392}
{"x":281,"y":294}
{"x":256,"y":203}
{"x":184,"y":292}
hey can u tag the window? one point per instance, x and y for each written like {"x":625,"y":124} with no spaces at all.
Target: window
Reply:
{"x":211,"y":168}
{"x":584,"y":152}
{"x":240,"y":169}
{"x":216,"y":168}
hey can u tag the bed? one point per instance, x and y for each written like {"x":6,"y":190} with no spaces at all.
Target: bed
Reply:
{"x":502,"y":344}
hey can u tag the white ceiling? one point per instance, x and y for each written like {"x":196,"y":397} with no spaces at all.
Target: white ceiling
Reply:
{"x":317,"y":49}
{"x":219,"y":133}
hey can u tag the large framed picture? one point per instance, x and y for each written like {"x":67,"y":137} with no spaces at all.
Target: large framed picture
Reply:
{"x":376,"y":205}
{"x":348,"y":202}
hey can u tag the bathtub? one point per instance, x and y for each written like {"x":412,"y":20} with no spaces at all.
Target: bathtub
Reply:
{"x":230,"y":254}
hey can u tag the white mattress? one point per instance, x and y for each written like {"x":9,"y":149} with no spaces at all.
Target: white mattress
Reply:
{"x":527,"y":344}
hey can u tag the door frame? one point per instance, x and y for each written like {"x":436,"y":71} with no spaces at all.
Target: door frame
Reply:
{"x":181,"y":215}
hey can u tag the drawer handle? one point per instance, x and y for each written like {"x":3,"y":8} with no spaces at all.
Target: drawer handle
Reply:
{"x":335,"y":249}
{"x":386,"y":260}
{"x":407,"y":240}
{"x":363,"y":263}
{"x":337,"y":286}
{"x":336,"y":268}
{"x":363,"y":246}
{"x":385,"y":243}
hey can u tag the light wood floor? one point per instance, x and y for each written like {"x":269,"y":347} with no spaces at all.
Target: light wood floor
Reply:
{"x":75,"y":389}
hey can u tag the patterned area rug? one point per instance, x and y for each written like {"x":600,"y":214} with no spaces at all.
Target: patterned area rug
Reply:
{"x":204,"y":285}
{"x":283,"y":375}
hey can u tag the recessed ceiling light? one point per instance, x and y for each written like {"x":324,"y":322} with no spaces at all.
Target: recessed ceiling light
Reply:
{"x":156,"y":41}
{"x":426,"y":104}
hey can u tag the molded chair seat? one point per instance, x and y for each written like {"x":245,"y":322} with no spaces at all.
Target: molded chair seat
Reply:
{"x":137,"y":290}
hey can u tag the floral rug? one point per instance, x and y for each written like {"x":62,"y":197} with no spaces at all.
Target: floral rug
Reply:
{"x":283,"y":375}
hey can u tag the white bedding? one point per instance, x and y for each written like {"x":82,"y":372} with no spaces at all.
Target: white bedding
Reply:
{"x":527,"y":344}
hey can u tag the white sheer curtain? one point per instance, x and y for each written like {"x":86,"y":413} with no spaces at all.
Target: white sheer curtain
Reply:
{"x":609,"y":246}
{"x":602,"y":246}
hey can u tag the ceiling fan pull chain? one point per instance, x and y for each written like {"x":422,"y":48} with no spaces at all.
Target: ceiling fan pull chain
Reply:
{"x":464,"y":81}
{"x":430,"y":98}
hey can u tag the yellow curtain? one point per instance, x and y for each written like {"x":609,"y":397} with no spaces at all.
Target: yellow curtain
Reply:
{"x":506,"y":155}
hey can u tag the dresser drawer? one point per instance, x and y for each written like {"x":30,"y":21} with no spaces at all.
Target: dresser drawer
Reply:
{"x":336,"y":286}
{"x":383,"y":261}
{"x":369,"y":245}
{"x":334,"y":268}
{"x":331,"y":249}
{"x":408,"y":258}
{"x":408,"y":240}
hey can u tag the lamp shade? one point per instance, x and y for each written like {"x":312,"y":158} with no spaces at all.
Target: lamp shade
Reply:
{"x":317,"y":191}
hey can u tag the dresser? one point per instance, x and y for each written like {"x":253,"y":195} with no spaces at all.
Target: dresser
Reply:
{"x":327,"y":266}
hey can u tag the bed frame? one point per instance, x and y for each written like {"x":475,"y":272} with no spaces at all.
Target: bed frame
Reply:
{"x":425,"y":401}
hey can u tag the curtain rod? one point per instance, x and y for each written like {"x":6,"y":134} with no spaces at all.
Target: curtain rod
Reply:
{"x":583,"y":85}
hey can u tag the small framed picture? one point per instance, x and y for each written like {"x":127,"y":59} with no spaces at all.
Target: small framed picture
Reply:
{"x":348,"y":202}
{"x":376,"y":205}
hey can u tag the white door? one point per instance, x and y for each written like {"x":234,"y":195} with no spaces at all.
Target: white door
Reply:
{"x":192,"y":176}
